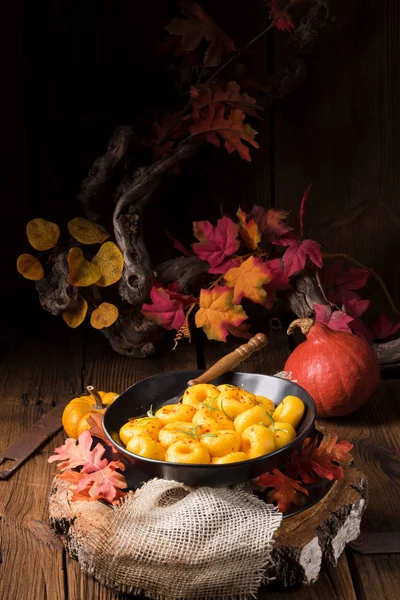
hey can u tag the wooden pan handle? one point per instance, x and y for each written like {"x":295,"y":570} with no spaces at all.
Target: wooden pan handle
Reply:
{"x":231,"y":360}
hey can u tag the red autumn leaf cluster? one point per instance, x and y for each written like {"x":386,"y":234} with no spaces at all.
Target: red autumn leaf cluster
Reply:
{"x":280,"y":17}
{"x":315,"y":461}
{"x":97,"y":478}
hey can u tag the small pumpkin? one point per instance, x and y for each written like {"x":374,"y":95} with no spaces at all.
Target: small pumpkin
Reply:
{"x":339,"y":370}
{"x":74,"y":418}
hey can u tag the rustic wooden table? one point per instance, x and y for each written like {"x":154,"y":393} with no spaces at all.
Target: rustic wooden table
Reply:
{"x":48,"y":365}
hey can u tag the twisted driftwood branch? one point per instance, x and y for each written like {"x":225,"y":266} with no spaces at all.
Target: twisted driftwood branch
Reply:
{"x":301,"y":302}
{"x":55,"y":292}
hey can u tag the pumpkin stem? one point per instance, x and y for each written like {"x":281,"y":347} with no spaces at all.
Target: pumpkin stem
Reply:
{"x":95,"y":394}
{"x":304,"y":324}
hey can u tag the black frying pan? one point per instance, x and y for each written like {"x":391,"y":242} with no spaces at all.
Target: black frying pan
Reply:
{"x":166,"y":389}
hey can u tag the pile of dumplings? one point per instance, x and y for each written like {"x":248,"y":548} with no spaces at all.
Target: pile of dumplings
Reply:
{"x":214,"y":425}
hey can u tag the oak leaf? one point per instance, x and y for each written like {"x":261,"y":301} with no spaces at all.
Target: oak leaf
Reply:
{"x":197,"y":26}
{"x":232,"y":129}
{"x":104,"y":316}
{"x":205,"y":95}
{"x":105,"y":483}
{"x":248,"y":280}
{"x":217,"y":311}
{"x":110,"y":261}
{"x":384,"y":328}
{"x":78,"y":453}
{"x":95,"y":422}
{"x":42,"y":234}
{"x":324,"y":460}
{"x":340,"y":284}
{"x":30,"y":267}
{"x":336,"y":320}
{"x":76,"y":315}
{"x":298,"y":252}
{"x":164,"y":310}
{"x":248,"y":230}
{"x":285,"y":490}
{"x":81,"y":272}
{"x":87,"y":232}
{"x":217,"y":244}
{"x":271,"y":223}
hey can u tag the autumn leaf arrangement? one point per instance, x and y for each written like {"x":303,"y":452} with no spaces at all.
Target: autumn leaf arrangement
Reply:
{"x":253,"y":257}
{"x":92,"y":476}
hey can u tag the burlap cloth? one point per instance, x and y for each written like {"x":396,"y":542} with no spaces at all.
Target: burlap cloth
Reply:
{"x":170,"y":542}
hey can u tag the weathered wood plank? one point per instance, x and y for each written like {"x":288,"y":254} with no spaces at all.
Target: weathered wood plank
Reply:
{"x":41,"y":369}
{"x":107,"y":371}
{"x":341,"y":130}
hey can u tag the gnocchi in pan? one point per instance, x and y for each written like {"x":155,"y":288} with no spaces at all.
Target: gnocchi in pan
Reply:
{"x":214,"y":425}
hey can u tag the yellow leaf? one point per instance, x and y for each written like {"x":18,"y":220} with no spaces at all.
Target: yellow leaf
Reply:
{"x":42,"y":234}
{"x":217,"y":311}
{"x":87,"y":232}
{"x":248,"y":231}
{"x":81,"y":272}
{"x":104,"y":316}
{"x":110,"y":261}
{"x":30,"y":267}
{"x":76,"y":315}
{"x":248,"y":280}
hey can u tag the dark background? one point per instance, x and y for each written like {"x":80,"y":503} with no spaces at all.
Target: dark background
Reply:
{"x":73,"y":71}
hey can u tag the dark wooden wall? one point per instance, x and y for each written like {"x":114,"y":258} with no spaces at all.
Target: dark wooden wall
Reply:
{"x":78,"y":70}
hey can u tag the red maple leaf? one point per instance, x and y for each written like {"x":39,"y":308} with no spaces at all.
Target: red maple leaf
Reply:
{"x":286,"y":491}
{"x":217,"y":244}
{"x":271,"y":223}
{"x":282,"y":19}
{"x":179,"y":246}
{"x":340,"y":285}
{"x":280,"y":281}
{"x":336,"y":320}
{"x":355,"y":307}
{"x":78,"y":453}
{"x":166,"y":308}
{"x":298,"y":252}
{"x":105,"y":483}
{"x":384,"y":328}
{"x":212,"y":122}
{"x":303,"y":207}
{"x":321,"y":460}
{"x":197,"y":26}
{"x":205,"y":95}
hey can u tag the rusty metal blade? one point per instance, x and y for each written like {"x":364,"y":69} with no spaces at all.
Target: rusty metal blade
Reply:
{"x":31,"y":439}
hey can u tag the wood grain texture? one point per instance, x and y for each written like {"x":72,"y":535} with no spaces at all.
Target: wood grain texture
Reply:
{"x":40,"y":370}
{"x":341,"y":130}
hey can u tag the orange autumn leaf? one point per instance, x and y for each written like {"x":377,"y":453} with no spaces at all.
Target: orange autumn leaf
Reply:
{"x":76,"y":315}
{"x":217,"y":311}
{"x":212,"y":121}
{"x":110,"y":261}
{"x":104,"y":316}
{"x":30,"y":267}
{"x":81,"y":272}
{"x":204,"y":95}
{"x":248,"y":230}
{"x":87,"y":232}
{"x":42,"y":234}
{"x":248,"y":280}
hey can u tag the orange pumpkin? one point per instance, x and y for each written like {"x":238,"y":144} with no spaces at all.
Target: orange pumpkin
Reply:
{"x":76,"y":412}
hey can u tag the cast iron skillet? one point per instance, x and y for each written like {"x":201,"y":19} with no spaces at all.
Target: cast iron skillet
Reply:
{"x":165,"y":389}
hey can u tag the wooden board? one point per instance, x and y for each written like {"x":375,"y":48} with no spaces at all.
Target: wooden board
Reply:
{"x":341,"y":130}
{"x":42,"y":370}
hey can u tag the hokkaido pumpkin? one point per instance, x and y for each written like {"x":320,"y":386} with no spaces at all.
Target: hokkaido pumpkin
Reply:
{"x":339,"y":370}
{"x":75,"y":414}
